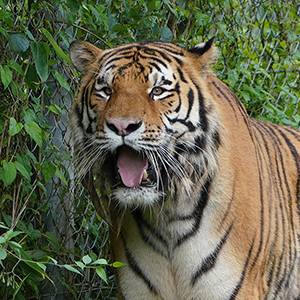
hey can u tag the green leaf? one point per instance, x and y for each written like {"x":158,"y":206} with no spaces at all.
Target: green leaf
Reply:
{"x":14,"y":245}
{"x":56,"y":47}
{"x":251,"y":90}
{"x":14,"y":127}
{"x":3,"y":254}
{"x":6,"y":76}
{"x":73,"y":6}
{"x":203,"y":19}
{"x":40,"y":185}
{"x":35,"y":132}
{"x":59,"y":174}
{"x":166,"y":34}
{"x":42,"y":266}
{"x":61,"y":80}
{"x":86,"y":260}
{"x":11,"y":234}
{"x":18,"y":43}
{"x":32,"y":78}
{"x":3,"y":31}
{"x":53,"y":260}
{"x":72,"y":269}
{"x":223,"y":28}
{"x":48,"y":170}
{"x":293,"y":97}
{"x":28,"y":115}
{"x":7,"y":218}
{"x":14,"y":65}
{"x":153,"y":4}
{"x":53,"y":109}
{"x":120,"y":28}
{"x":23,"y":171}
{"x":100,"y":261}
{"x":80,"y":265}
{"x":100,"y":271}
{"x":29,"y":34}
{"x":118,"y":264}
{"x":31,"y":155}
{"x":2,"y":225}
{"x":232,"y":77}
{"x":52,"y":240}
{"x":296,"y":118}
{"x":9,"y":172}
{"x":40,"y":56}
{"x":26,"y":258}
{"x":111,"y":21}
{"x":4,"y":14}
{"x":265,"y":73}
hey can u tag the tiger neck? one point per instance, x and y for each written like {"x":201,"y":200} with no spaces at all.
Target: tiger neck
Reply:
{"x":165,"y":226}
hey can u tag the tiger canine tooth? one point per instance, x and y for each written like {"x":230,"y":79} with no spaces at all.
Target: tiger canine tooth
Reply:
{"x":145,"y":175}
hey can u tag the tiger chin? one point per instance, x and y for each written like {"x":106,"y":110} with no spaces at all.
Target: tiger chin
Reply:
{"x":202,"y":201}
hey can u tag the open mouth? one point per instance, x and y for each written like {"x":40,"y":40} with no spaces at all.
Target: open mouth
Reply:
{"x":134,"y":169}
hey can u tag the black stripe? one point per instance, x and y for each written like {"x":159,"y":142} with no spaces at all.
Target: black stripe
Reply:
{"x":191,"y":102}
{"x":296,"y":158}
{"x":79,"y":114}
{"x":196,"y":214}
{"x":88,"y":107}
{"x":133,"y":264}
{"x":179,"y":98}
{"x":200,"y":142}
{"x":164,"y":56}
{"x":167,"y":82}
{"x":188,"y":124}
{"x":116,"y":51}
{"x":156,"y":66}
{"x":172,"y":49}
{"x":210,"y":261}
{"x":225,"y":96}
{"x":114,"y":59}
{"x":271,"y":185}
{"x":293,"y":131}
{"x":142,"y":224}
{"x":160,"y":61}
{"x":273,"y":131}
{"x":202,"y":110}
{"x":239,"y":284}
{"x":261,"y":197}
{"x":240,"y":106}
{"x":181,"y":75}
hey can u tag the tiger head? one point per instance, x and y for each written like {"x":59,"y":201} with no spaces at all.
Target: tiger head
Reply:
{"x":144,"y":121}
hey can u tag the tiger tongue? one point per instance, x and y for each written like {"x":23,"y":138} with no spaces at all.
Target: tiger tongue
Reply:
{"x":131,"y":166}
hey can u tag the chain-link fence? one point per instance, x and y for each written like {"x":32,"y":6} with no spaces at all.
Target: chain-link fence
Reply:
{"x":259,"y":59}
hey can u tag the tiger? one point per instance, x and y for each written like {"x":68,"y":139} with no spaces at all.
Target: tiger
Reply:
{"x":201,"y":200}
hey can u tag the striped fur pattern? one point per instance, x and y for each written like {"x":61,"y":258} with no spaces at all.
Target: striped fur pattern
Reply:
{"x":202,"y":201}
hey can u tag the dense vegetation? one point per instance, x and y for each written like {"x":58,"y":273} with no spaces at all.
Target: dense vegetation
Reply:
{"x":50,"y":238}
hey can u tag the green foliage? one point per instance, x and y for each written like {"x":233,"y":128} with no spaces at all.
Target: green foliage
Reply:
{"x":259,"y":60}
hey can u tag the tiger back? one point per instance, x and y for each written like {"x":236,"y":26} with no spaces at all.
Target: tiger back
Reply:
{"x":202,"y":201}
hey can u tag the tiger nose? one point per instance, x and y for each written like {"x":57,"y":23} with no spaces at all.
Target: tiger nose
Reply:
{"x":123,"y":128}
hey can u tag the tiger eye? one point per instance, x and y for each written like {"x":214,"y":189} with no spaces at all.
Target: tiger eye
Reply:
{"x":156,"y":91}
{"x":107,"y":90}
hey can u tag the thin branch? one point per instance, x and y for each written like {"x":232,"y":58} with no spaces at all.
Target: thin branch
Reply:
{"x":86,"y":30}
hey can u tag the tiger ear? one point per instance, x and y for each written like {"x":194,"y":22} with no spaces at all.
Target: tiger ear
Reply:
{"x":83,"y":54}
{"x":206,"y":53}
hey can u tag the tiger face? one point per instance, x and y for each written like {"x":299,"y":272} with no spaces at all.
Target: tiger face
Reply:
{"x":138,"y":119}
